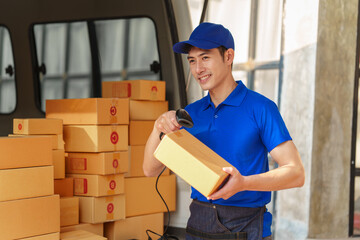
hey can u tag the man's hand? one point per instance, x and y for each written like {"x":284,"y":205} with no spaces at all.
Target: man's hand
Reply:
{"x":234,"y":185}
{"x":167,"y":123}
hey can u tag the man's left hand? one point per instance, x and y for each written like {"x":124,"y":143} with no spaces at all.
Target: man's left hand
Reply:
{"x":234,"y":185}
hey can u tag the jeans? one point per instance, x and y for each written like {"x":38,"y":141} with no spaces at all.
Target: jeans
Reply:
{"x":211,"y":221}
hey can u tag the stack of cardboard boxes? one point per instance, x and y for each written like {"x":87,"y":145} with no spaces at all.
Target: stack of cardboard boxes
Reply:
{"x":45,"y":127}
{"x":29,"y":209}
{"x":69,"y":205}
{"x":144,"y":208}
{"x":96,"y":144}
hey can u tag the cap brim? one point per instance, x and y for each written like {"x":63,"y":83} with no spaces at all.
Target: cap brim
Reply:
{"x":185,"y":46}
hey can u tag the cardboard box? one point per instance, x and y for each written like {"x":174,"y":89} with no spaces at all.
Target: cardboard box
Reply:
{"x":102,"y":209}
{"x":50,"y":236}
{"x":97,"y":185}
{"x":69,"y":211}
{"x":142,"y":198}
{"x":97,"y":163}
{"x":96,"y":138}
{"x":135,"y":89}
{"x":189,"y":158}
{"x":97,"y":228}
{"x":18,"y":152}
{"x":59,"y":163}
{"x":135,"y":227}
{"x":87,"y":111}
{"x":139,"y":132}
{"x":136,"y":160}
{"x":64,"y":187}
{"x":29,"y":217}
{"x":56,"y":139}
{"x":80,"y":235}
{"x":31,"y":126}
{"x":147,"y":110}
{"x":26,"y":182}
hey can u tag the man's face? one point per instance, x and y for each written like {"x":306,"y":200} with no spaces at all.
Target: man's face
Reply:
{"x":208,"y":67}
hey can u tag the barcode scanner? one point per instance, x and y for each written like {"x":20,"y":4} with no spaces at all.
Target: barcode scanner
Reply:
{"x":183,"y":118}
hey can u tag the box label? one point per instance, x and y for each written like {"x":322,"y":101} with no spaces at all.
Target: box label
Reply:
{"x":154,"y":92}
{"x":114,"y":137}
{"x":78,"y":163}
{"x":112,"y":185}
{"x":80,"y":186}
{"x":115,"y":163}
{"x":121,"y":90}
{"x":110,"y":208}
{"x":113,"y":110}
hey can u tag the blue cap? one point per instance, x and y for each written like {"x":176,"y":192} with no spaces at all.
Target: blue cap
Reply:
{"x":206,"y":36}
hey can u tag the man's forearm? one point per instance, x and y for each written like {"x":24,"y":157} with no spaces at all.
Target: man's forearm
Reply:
{"x":151,"y":166}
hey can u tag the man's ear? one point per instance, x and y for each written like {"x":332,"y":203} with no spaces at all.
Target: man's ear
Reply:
{"x":229,"y":56}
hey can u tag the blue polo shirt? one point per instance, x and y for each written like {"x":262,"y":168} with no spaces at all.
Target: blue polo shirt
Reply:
{"x":242,"y":130}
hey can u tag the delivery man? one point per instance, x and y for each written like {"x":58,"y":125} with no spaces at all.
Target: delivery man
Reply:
{"x":241,"y":126}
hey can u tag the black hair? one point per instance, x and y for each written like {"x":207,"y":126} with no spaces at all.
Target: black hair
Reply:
{"x":222,"y":51}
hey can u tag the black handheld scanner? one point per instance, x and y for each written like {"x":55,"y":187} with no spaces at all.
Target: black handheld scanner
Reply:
{"x":183,"y":118}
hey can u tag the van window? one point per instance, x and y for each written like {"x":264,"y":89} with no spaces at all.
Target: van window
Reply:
{"x":7,"y":73}
{"x":125,"y":49}
{"x":63,"y":50}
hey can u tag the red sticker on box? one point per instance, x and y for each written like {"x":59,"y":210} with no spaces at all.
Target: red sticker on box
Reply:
{"x":115,"y":163}
{"x":112,"y":184}
{"x":154,"y":89}
{"x":19,"y":126}
{"x":113,"y":110}
{"x":114,"y":138}
{"x":110,"y":208}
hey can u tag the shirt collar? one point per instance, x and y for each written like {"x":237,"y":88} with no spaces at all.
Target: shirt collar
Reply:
{"x":234,"y":99}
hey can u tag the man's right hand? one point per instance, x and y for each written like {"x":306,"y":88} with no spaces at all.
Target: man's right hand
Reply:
{"x":167,"y":123}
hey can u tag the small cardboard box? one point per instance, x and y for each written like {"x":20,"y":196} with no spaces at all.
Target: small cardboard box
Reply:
{"x":26,"y":182}
{"x":57,"y":140}
{"x":59,"y":163}
{"x":139,"y":132}
{"x":97,"y":185}
{"x":69,"y":211}
{"x":97,"y":228}
{"x":18,"y":152}
{"x":32,"y":126}
{"x":147,"y":110}
{"x":135,"y":227}
{"x":135,"y":89}
{"x":136,"y":160}
{"x":80,"y":235}
{"x":29,"y":217}
{"x":102,"y":209}
{"x":50,"y":236}
{"x":88,"y":111}
{"x":97,"y":163}
{"x":96,"y":138}
{"x":142,"y":198}
{"x":64,"y":187}
{"x":189,"y":158}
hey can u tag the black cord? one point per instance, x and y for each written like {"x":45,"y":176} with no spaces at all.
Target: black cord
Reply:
{"x":164,"y":236}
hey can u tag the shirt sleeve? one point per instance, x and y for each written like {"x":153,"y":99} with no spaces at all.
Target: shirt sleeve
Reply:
{"x":272,"y":127}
